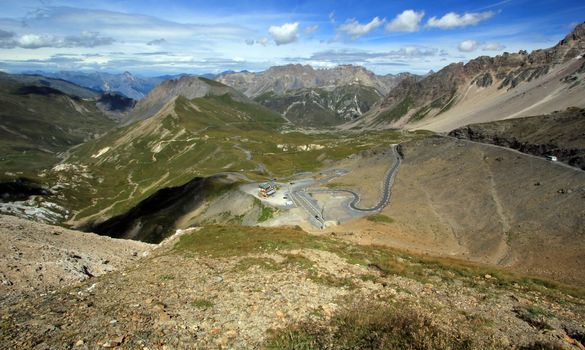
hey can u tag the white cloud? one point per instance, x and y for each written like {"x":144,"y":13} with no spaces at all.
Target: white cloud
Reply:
{"x":263,"y":41}
{"x":284,"y":34}
{"x":493,"y":46}
{"x":467,"y":45}
{"x":453,"y":20}
{"x":36,"y":41}
{"x":407,"y":21}
{"x":311,"y":29}
{"x":355,"y":29}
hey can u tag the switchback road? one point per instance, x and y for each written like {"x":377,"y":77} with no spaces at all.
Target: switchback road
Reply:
{"x":386,"y":190}
{"x":298,"y":193}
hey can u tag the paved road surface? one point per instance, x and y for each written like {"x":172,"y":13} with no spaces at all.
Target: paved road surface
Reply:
{"x":386,"y":191}
{"x":298,"y":192}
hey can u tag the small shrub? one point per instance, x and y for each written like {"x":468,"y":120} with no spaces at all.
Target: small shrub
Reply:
{"x":534,"y":316}
{"x":266,"y":214}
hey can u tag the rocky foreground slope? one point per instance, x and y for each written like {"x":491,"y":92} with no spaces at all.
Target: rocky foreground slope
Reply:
{"x":241,"y":288}
{"x":37,"y":258}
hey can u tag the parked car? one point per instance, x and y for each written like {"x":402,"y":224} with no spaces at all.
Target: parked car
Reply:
{"x":552,"y":158}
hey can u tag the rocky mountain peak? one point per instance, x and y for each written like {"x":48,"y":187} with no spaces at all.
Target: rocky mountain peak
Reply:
{"x":440,"y":91}
{"x":186,"y":86}
{"x":290,"y":68}
{"x":578,"y":34}
{"x":282,"y":79}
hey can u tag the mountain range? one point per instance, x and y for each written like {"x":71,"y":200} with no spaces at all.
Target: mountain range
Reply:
{"x":315,"y":97}
{"x":41,"y":117}
{"x":129,"y":85}
{"x":114,"y":165}
{"x":488,"y":88}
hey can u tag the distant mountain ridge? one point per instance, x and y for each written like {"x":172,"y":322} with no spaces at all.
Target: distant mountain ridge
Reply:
{"x":322,"y":107}
{"x":315,"y":97}
{"x":489,"y":88}
{"x":281,"y":79}
{"x":125,"y":83}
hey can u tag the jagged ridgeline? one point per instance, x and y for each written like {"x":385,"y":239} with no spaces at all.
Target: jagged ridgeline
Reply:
{"x":315,"y":97}
{"x":488,"y":88}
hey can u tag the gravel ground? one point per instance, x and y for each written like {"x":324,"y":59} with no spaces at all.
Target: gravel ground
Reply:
{"x":179,"y":300}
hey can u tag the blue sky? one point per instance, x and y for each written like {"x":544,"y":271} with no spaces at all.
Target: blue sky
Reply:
{"x":164,"y":37}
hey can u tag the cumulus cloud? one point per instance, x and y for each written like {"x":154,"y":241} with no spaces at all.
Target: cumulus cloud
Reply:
{"x":453,"y":20}
{"x":36,"y":41}
{"x":285,"y":34}
{"x":493,"y":46}
{"x":355,"y":29}
{"x":311,"y":29}
{"x":407,"y":21}
{"x":156,"y":42}
{"x":467,"y":45}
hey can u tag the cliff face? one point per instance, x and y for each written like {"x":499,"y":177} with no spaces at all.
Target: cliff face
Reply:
{"x":316,"y":97}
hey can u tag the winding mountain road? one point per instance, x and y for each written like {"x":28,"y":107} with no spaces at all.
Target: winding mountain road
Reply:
{"x":387,"y":188}
{"x":298,"y":193}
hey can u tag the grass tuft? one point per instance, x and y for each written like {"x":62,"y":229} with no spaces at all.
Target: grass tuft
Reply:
{"x":368,"y":325}
{"x":380,"y":218}
{"x":202,"y":304}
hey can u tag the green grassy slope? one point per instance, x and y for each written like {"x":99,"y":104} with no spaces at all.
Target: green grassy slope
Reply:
{"x":191,"y":138}
{"x":321,"y":107}
{"x":37,"y":122}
